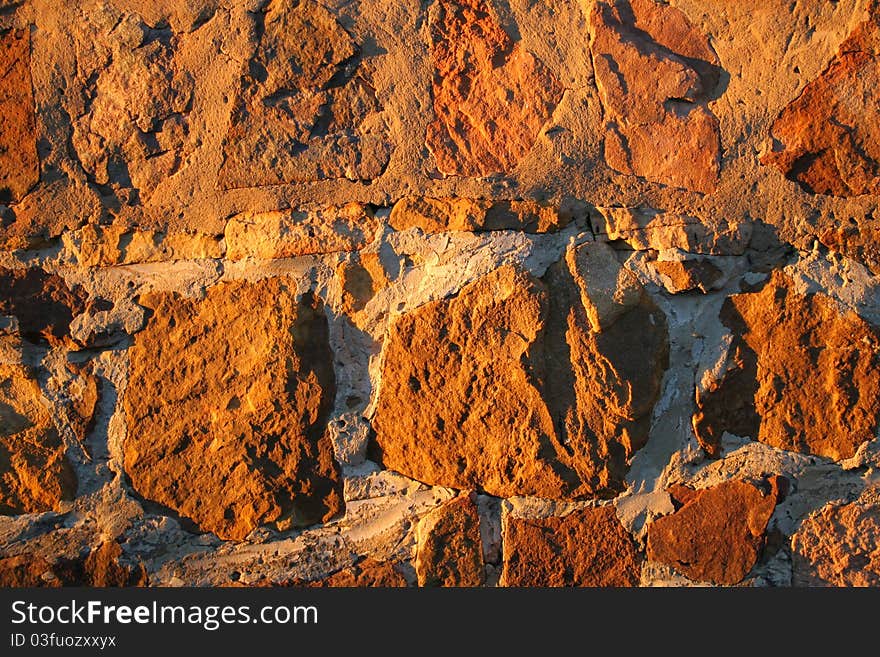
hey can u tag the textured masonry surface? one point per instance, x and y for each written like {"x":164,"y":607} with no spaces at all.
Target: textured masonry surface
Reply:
{"x":439,"y":293}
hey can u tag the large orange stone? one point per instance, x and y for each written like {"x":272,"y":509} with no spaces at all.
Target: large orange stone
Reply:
{"x":521,"y":386}
{"x":828,"y":138}
{"x":655,"y":73}
{"x":99,"y":567}
{"x":801,"y":375}
{"x":134,"y":133}
{"x":839,"y":545}
{"x":227,"y":404}
{"x":491,"y":97}
{"x":305,"y":109}
{"x":588,"y":547}
{"x":717,"y":533}
{"x":19,"y":162}
{"x":35,"y":474}
{"x":450,"y":551}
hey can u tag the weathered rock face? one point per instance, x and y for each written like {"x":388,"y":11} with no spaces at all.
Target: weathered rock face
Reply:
{"x":307,"y":109}
{"x":42,"y":303}
{"x":27,"y":571}
{"x":828,"y":139}
{"x":19,"y":163}
{"x":655,"y":73}
{"x":104,"y":246}
{"x":717,"y":533}
{"x":366,"y":573}
{"x":288,"y":234}
{"x":360,"y":279}
{"x":100,"y":567}
{"x":839,"y":545}
{"x":644,"y":228}
{"x":521,"y":218}
{"x":491,"y":97}
{"x":227,"y":405}
{"x":558,"y":415}
{"x":800,"y":375}
{"x":686,"y":275}
{"x":35,"y":474}
{"x":79,"y":392}
{"x":435,"y":215}
{"x":450,"y":552}
{"x":136,"y":127}
{"x":587,"y":547}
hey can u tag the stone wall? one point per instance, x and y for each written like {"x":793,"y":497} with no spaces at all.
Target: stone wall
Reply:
{"x":447,"y":292}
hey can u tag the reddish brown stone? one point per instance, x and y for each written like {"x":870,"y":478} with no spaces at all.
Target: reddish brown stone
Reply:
{"x":718,"y":533}
{"x":839,"y":545}
{"x":828,"y":138}
{"x":19,"y":163}
{"x":491,"y":97}
{"x":645,"y":229}
{"x":367,"y":573}
{"x":35,"y":474}
{"x":105,"y":246}
{"x":227,"y":405}
{"x":686,"y":275}
{"x":26,"y":570}
{"x":520,"y":386}
{"x":42,"y":303}
{"x":801,"y":375}
{"x":587,"y":547}
{"x":438,"y":215}
{"x":326,"y":229}
{"x":134,"y":132}
{"x":100,"y":567}
{"x":858,"y":241}
{"x":450,"y":551}
{"x":655,"y":73}
{"x":307,"y":109}
{"x":78,"y":394}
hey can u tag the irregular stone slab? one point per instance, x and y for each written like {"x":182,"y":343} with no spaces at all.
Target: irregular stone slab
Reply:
{"x":839,"y":545}
{"x":588,"y":547}
{"x":360,"y":278}
{"x":655,"y":73}
{"x":450,"y":551}
{"x":43,"y":304}
{"x":105,"y":246}
{"x":491,"y":97}
{"x":77,"y":393}
{"x":858,"y":242}
{"x":439,"y":215}
{"x":227,"y":404}
{"x":828,"y":138}
{"x":717,"y":533}
{"x":134,"y":133}
{"x":686,"y":275}
{"x":800,"y":375}
{"x":307,"y":109}
{"x":644,"y":228}
{"x":100,"y":567}
{"x":27,"y":571}
{"x":35,"y":475}
{"x":327,"y":229}
{"x":366,"y":573}
{"x":507,"y":389}
{"x":19,"y":162}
